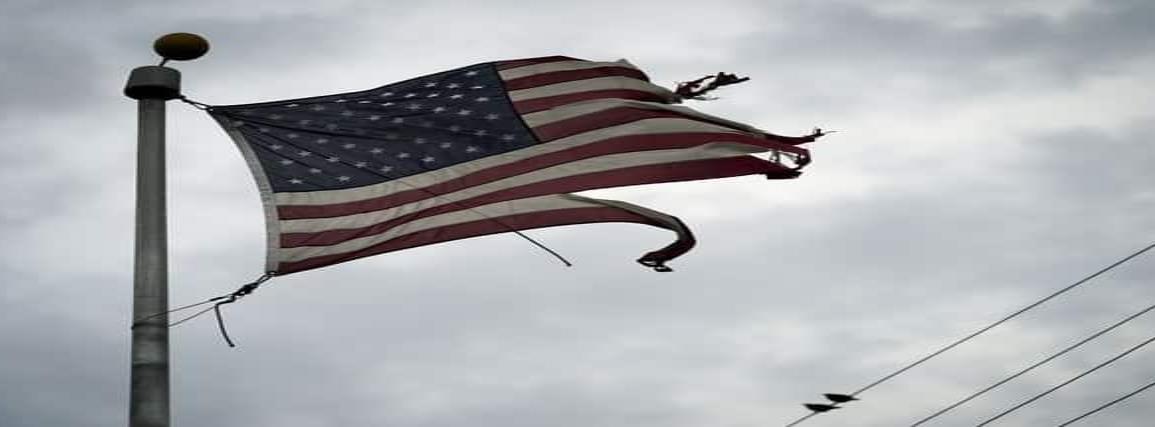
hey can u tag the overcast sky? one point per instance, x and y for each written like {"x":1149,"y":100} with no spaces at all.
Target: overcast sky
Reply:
{"x":989,"y":152}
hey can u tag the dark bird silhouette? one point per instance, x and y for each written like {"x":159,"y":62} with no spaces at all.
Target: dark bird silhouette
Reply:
{"x":839,"y":398}
{"x":819,"y":407}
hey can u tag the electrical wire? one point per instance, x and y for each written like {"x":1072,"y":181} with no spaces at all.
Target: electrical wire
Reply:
{"x":1003,"y":320}
{"x":804,"y":418}
{"x":1108,"y":404}
{"x":984,"y":329}
{"x":1035,"y":365}
{"x":1064,"y":383}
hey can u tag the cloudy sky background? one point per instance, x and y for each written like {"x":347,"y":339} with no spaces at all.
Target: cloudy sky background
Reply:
{"x":990,"y":152}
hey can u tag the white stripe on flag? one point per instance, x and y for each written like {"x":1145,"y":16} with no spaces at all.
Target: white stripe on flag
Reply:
{"x":590,"y":85}
{"x":578,"y":109}
{"x":553,"y":67}
{"x":491,"y":211}
{"x":422,"y":180}
{"x":719,"y":149}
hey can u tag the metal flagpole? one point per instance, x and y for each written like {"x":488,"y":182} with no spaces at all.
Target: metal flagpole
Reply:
{"x":152,"y":86}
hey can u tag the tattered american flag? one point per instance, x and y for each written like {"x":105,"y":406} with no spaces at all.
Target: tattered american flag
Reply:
{"x":483,"y":149}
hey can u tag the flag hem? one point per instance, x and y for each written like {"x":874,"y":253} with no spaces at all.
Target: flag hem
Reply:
{"x":268,"y":202}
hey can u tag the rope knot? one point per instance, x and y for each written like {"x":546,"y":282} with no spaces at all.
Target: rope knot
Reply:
{"x":241,"y":292}
{"x":246,"y":289}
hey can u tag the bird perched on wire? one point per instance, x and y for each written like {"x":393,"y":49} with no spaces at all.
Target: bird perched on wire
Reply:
{"x":819,"y":407}
{"x":839,"y":398}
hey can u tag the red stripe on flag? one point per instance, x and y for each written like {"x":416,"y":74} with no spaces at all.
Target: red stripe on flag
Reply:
{"x":477,"y":228}
{"x":624,"y":144}
{"x":648,"y":174}
{"x":505,"y":65}
{"x":545,"y":103}
{"x":571,"y":75}
{"x":622,"y":115}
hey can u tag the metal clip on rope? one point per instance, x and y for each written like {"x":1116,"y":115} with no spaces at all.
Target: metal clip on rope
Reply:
{"x":233,"y":297}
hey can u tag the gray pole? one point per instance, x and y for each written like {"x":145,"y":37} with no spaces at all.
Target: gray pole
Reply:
{"x":149,"y":396}
{"x":152,"y":86}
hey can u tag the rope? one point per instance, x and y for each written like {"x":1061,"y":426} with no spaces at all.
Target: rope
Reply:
{"x":230,"y":298}
{"x":194,"y":316}
{"x":137,"y":322}
{"x":198,"y":105}
{"x":241,"y":292}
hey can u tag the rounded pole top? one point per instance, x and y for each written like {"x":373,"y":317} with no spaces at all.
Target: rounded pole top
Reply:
{"x":181,"y":46}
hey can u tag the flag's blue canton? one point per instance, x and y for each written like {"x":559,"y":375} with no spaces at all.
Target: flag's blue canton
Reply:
{"x":355,"y":139}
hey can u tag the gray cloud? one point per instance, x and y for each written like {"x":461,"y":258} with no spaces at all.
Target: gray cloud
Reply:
{"x":848,"y":51}
{"x":893,"y":243}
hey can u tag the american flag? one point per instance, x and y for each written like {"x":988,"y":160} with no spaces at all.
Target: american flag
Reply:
{"x":484,"y":149}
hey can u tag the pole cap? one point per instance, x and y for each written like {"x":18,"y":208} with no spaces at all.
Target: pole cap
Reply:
{"x":153,"y":82}
{"x":180,"y":46}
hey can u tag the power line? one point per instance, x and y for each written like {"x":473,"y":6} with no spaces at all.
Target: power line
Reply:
{"x":983,"y":330}
{"x":1064,"y":383}
{"x":1003,"y":320}
{"x":804,"y":418}
{"x":1105,"y":405}
{"x":1036,"y":365}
